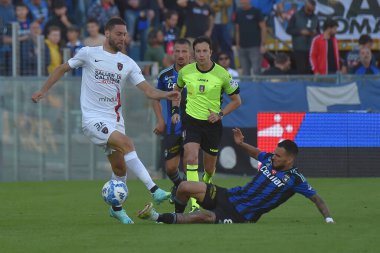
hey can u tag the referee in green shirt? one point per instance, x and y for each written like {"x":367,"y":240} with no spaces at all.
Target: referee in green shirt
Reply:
{"x":205,"y":82}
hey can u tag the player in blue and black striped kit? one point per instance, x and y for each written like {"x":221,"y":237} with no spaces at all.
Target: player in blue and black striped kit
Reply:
{"x":277,"y":180}
{"x":173,"y":140}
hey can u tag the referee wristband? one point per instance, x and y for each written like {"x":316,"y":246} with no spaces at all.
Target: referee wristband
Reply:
{"x":329,"y":220}
{"x":175,"y":109}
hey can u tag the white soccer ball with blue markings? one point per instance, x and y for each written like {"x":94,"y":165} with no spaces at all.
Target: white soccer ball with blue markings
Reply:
{"x":115,"y":192}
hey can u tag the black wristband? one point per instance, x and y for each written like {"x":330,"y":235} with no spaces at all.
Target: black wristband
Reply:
{"x":175,"y":109}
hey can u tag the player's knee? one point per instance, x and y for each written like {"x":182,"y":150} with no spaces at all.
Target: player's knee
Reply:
{"x":126,"y":145}
{"x":171,"y":169}
{"x":184,"y":187}
{"x":191,"y":159}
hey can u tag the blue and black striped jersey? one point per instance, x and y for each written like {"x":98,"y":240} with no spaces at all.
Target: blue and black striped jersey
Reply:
{"x":166,"y":81}
{"x":268,"y":189}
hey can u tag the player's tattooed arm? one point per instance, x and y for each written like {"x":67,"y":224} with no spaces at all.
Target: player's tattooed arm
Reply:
{"x":322,"y":207}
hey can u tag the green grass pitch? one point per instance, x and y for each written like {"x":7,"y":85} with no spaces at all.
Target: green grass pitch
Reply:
{"x":71,"y":216}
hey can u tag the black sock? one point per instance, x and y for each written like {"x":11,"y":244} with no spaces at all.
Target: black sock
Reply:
{"x":175,"y":178}
{"x":154,"y":188}
{"x":117,"y":208}
{"x":179,"y":207}
{"x":168,"y":218}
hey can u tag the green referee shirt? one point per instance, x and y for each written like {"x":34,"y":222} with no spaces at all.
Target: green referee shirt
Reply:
{"x":204,"y":89}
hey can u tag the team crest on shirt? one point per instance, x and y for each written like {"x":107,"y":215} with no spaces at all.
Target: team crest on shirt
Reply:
{"x":285,"y":178}
{"x":119,"y":66}
{"x":105,"y":130}
{"x":202,"y":88}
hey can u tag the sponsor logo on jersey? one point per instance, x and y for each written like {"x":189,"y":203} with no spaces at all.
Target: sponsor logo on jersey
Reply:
{"x":119,"y":66}
{"x":98,"y":60}
{"x":275,"y":180}
{"x":107,"y":99}
{"x":202,"y":80}
{"x":168,"y":78}
{"x":171,"y":85}
{"x":105,"y":77}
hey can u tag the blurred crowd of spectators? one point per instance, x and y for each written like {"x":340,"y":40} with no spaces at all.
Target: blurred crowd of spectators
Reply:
{"x":238,"y":29}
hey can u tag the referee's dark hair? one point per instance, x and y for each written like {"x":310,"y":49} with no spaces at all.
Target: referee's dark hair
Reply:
{"x":202,"y":39}
{"x":112,"y":22}
{"x":290,"y":147}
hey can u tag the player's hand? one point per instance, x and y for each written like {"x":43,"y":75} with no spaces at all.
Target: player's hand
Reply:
{"x":160,"y":128}
{"x":176,"y":118}
{"x":213,"y":117}
{"x":37,"y":96}
{"x":238,"y":136}
{"x":174,"y":95}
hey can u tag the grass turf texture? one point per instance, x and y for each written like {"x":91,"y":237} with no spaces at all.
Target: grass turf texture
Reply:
{"x":72,"y":217}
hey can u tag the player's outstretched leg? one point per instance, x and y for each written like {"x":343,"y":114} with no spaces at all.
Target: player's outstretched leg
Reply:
{"x":120,"y":215}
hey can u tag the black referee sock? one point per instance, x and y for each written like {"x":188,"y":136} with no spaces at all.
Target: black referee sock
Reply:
{"x":167,"y":218}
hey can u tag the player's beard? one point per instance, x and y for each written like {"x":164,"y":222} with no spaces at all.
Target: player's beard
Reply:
{"x":113,"y":45}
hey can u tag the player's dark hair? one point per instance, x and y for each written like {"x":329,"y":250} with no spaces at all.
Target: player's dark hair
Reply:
{"x":112,"y":22}
{"x":202,"y":39}
{"x":364,"y":39}
{"x":290,"y":146}
{"x":182,"y":41}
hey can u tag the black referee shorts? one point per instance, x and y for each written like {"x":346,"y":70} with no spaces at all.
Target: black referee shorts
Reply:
{"x":216,"y":200}
{"x":207,"y":134}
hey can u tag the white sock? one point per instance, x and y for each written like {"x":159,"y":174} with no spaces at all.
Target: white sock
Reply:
{"x":122,"y":179}
{"x":135,"y":165}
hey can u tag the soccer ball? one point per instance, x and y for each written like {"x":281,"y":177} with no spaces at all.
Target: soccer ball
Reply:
{"x":115,"y":192}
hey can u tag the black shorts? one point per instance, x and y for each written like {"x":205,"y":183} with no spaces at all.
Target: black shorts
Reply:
{"x":173,"y":145}
{"x":207,"y":134}
{"x":216,"y":200}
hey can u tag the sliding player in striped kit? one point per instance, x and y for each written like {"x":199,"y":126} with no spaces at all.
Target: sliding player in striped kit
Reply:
{"x":277,"y":180}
